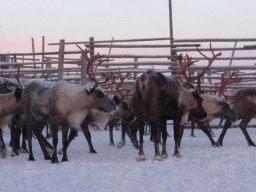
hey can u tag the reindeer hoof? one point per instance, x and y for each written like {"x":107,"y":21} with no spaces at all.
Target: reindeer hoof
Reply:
{"x":158,"y":157}
{"x":218,"y":143}
{"x":23,"y":150}
{"x":31,"y":158}
{"x":13,"y":154}
{"x":111,"y":144}
{"x":178,"y":155}
{"x":3,"y":153}
{"x":141,"y":158}
{"x":120,"y":144}
{"x":55,"y":160}
{"x":93,"y":151}
{"x":164,"y":155}
{"x":60,"y":151}
{"x":64,"y":159}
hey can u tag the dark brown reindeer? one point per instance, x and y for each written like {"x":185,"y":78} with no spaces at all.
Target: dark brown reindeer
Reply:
{"x":126,"y":127}
{"x":60,"y":104}
{"x":244,"y":106}
{"x":163,"y":98}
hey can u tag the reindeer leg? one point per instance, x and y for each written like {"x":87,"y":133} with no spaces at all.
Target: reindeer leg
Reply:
{"x":210,"y":129}
{"x":2,"y":145}
{"x":55,"y":129}
{"x":122,"y":142}
{"x":134,"y":131}
{"x":71,"y":136}
{"x":164,"y":138}
{"x":111,"y":142}
{"x":40,"y":138}
{"x":87,"y":135}
{"x":192,"y":129}
{"x":176,"y":137}
{"x":206,"y":131}
{"x":24,"y":145}
{"x":65,"y":142}
{"x":243,"y":126}
{"x":141,"y":156}
{"x":156,"y":131}
{"x":225,"y":128}
{"x":29,"y":137}
{"x":15,"y":138}
{"x":132,"y":138}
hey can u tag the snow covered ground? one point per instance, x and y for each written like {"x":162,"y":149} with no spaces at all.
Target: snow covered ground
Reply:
{"x":202,"y":168}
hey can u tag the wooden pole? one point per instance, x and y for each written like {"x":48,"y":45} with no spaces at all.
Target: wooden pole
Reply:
{"x":33,"y":51}
{"x":171,"y":26}
{"x":83,"y":70}
{"x":173,"y":53}
{"x":42,"y":65}
{"x":61,"y":59}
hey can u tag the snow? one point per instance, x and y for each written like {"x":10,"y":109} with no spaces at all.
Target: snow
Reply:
{"x":202,"y":168}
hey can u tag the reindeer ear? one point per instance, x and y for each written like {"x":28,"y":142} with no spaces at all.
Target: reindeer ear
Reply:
{"x":116,"y":100}
{"x":195,"y":92}
{"x":90,"y":90}
{"x":17,"y":94}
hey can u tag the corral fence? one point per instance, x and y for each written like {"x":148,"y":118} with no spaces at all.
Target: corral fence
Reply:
{"x":136,"y":56}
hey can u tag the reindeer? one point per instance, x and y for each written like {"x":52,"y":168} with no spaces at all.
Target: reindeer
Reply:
{"x":164,"y":98}
{"x":10,"y":104}
{"x":100,"y":119}
{"x":215,"y":106}
{"x":59,"y":103}
{"x":244,"y":106}
{"x":95,"y":116}
{"x":127,"y":127}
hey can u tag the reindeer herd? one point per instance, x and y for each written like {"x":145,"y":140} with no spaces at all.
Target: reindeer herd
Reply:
{"x":155,"y":99}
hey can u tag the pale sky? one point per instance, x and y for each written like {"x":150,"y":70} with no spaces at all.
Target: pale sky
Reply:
{"x":77,"y":20}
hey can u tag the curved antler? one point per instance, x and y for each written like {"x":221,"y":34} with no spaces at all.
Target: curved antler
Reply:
{"x":210,"y":61}
{"x":184,"y":66}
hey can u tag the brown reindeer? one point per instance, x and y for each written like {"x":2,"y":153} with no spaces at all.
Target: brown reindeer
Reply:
{"x":10,"y":104}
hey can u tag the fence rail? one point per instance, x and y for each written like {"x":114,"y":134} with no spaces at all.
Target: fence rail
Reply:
{"x":66,"y":63}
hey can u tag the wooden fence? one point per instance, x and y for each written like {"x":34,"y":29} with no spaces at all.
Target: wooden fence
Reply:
{"x":135,"y":56}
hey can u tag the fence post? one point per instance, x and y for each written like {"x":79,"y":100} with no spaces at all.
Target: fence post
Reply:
{"x":48,"y":65}
{"x":61,"y":59}
{"x":42,"y":65}
{"x":83,"y":70}
{"x":136,"y":67}
{"x":34,"y":57}
{"x":91,"y":47}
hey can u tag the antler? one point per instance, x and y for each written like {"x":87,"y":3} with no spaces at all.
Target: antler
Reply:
{"x":210,"y":61}
{"x":232,"y":78}
{"x":184,"y":66}
{"x":91,"y":63}
{"x":117,"y":88}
